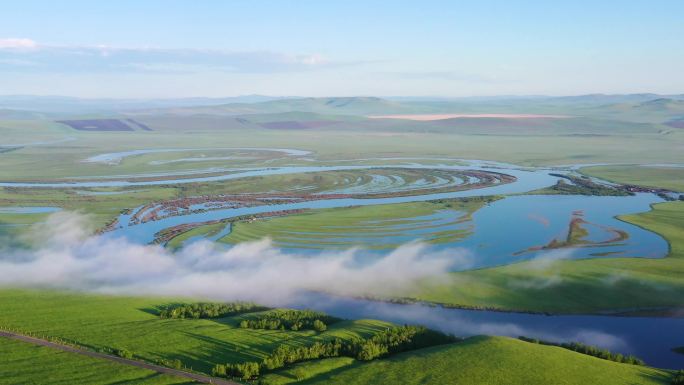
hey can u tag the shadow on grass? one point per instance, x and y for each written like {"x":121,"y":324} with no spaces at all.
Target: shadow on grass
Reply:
{"x":217,"y":351}
{"x":148,"y":379}
{"x":660,"y":377}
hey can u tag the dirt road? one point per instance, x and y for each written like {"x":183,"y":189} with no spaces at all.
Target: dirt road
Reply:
{"x":124,"y":361}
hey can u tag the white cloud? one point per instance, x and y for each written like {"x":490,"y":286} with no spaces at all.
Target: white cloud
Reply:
{"x":250,"y":271}
{"x":13,"y":43}
{"x":79,"y":59}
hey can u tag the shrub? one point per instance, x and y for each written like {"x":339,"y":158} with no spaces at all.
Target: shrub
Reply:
{"x":319,"y":326}
{"x":123,"y":353}
{"x":678,"y":378}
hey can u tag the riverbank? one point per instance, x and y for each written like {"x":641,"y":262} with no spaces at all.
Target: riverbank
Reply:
{"x":588,"y":286}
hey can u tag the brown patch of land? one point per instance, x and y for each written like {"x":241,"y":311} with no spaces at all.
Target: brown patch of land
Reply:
{"x":105,"y":125}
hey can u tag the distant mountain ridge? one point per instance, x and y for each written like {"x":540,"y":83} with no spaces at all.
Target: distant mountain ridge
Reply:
{"x":68,"y":104}
{"x":361,"y":105}
{"x":580,"y":105}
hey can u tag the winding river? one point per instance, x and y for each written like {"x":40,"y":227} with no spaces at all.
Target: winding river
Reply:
{"x":506,"y":231}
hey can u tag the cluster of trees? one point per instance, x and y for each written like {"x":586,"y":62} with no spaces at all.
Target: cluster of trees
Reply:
{"x":678,"y":377}
{"x":175,"y":363}
{"x":208,"y":310}
{"x":480,"y":198}
{"x":584,"y":186}
{"x":123,"y":353}
{"x":389,"y":341}
{"x":120,"y":352}
{"x":244,"y":371}
{"x":291,"y":320}
{"x":398,"y":339}
{"x":590,"y":350}
{"x":666,"y":197}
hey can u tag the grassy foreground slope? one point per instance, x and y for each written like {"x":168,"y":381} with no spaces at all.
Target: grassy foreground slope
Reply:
{"x":98,"y":321}
{"x":26,"y":364}
{"x":671,"y":178}
{"x":493,"y":360}
{"x":577,"y":286}
{"x":477,"y":360}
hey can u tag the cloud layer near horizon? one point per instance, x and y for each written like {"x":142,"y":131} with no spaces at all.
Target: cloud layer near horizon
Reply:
{"x":26,"y":55}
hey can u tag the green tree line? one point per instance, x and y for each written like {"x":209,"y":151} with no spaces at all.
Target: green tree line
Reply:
{"x":589,"y":350}
{"x":390,"y":341}
{"x":585,"y":186}
{"x":208,"y":310}
{"x":678,"y":378}
{"x":291,"y":320}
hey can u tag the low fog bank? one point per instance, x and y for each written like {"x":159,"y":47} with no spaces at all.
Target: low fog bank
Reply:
{"x":68,"y":257}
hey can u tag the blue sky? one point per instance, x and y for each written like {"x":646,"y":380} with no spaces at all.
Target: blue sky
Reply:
{"x":316,"y":48}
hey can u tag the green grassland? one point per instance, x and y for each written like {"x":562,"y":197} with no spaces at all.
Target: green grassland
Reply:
{"x":489,"y":360}
{"x":35,"y":149}
{"x":124,"y":322}
{"x":308,"y":370}
{"x":609,"y":144}
{"x":332,"y":181}
{"x":597,"y":130}
{"x":203,"y":231}
{"x":375,"y":227}
{"x":579,"y":286}
{"x":671,"y":178}
{"x":99,"y":322}
{"x":26,"y":364}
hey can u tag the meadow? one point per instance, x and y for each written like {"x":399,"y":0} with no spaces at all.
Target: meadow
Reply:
{"x":373,"y":227}
{"x":114,"y":322}
{"x":489,"y":361}
{"x":26,"y":364}
{"x":132,"y":323}
{"x":65,"y":159}
{"x":671,"y":178}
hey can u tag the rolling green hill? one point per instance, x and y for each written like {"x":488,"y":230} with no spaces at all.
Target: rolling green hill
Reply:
{"x":327,"y":105}
{"x":492,"y":361}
